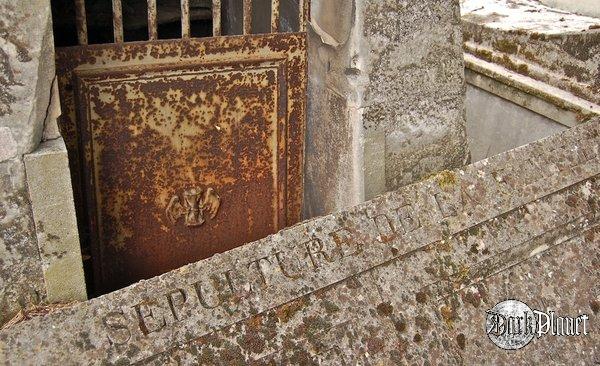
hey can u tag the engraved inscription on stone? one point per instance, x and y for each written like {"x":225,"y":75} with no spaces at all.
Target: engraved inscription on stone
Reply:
{"x":405,"y":277}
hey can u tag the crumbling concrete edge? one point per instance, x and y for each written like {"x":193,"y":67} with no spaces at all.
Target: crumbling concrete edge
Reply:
{"x":537,"y":96}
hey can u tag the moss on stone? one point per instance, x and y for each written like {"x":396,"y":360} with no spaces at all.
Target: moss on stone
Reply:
{"x":506,"y":46}
{"x":446,"y":179}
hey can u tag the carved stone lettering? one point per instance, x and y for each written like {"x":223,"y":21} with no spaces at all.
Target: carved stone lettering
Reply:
{"x":219,"y":288}
{"x":469,"y":195}
{"x":408,"y":218}
{"x":177,"y":300}
{"x":150,"y":317}
{"x":118,"y":327}
{"x":257,"y":265}
{"x":315,"y":251}
{"x":287,"y":269}
{"x":347,"y":243}
{"x":385,"y":227}
{"x":444,"y":206}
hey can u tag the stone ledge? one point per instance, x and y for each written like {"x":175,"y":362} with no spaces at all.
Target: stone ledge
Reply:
{"x":539,"y":97}
{"x":549,"y":45}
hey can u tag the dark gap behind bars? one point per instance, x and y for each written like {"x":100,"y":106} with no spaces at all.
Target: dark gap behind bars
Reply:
{"x":99,"y":18}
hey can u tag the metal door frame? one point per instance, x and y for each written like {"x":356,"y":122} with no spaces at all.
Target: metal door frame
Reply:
{"x":74,"y":65}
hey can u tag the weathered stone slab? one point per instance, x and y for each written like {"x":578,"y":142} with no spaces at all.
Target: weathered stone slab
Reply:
{"x":26,"y":74}
{"x":405,"y":277}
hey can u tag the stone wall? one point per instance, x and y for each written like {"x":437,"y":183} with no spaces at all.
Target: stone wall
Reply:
{"x":27,"y":73}
{"x":27,"y":115}
{"x":404,"y":278}
{"x":386,"y":98}
{"x":495,"y":125}
{"x":584,"y":7}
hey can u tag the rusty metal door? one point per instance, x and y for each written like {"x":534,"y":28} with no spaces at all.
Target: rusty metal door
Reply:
{"x":182,"y":148}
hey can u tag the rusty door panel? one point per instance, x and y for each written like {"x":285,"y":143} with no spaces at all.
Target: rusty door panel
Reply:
{"x":187,"y":148}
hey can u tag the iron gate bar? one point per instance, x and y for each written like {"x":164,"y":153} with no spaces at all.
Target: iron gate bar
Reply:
{"x":117,"y":10}
{"x":185,"y":18}
{"x":274,"y":16}
{"x":247,"y":17}
{"x":216,"y":13}
{"x":152,"y":23}
{"x":81,"y":22}
{"x":304,"y":13}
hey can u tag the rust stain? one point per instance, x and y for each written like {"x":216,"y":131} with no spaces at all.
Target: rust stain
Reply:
{"x":275,"y":7}
{"x":145,"y":122}
{"x":304,"y":12}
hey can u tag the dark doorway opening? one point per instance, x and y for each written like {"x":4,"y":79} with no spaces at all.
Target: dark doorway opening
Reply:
{"x":99,"y":16}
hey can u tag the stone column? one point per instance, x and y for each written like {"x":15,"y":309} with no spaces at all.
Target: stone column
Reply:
{"x":386,"y":98}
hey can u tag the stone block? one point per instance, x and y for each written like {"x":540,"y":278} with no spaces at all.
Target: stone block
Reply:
{"x":51,"y":130}
{"x":26,"y":74}
{"x":406,"y":277}
{"x":51,"y":197}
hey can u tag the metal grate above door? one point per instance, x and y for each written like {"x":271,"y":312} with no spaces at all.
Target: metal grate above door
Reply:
{"x":303,"y":10}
